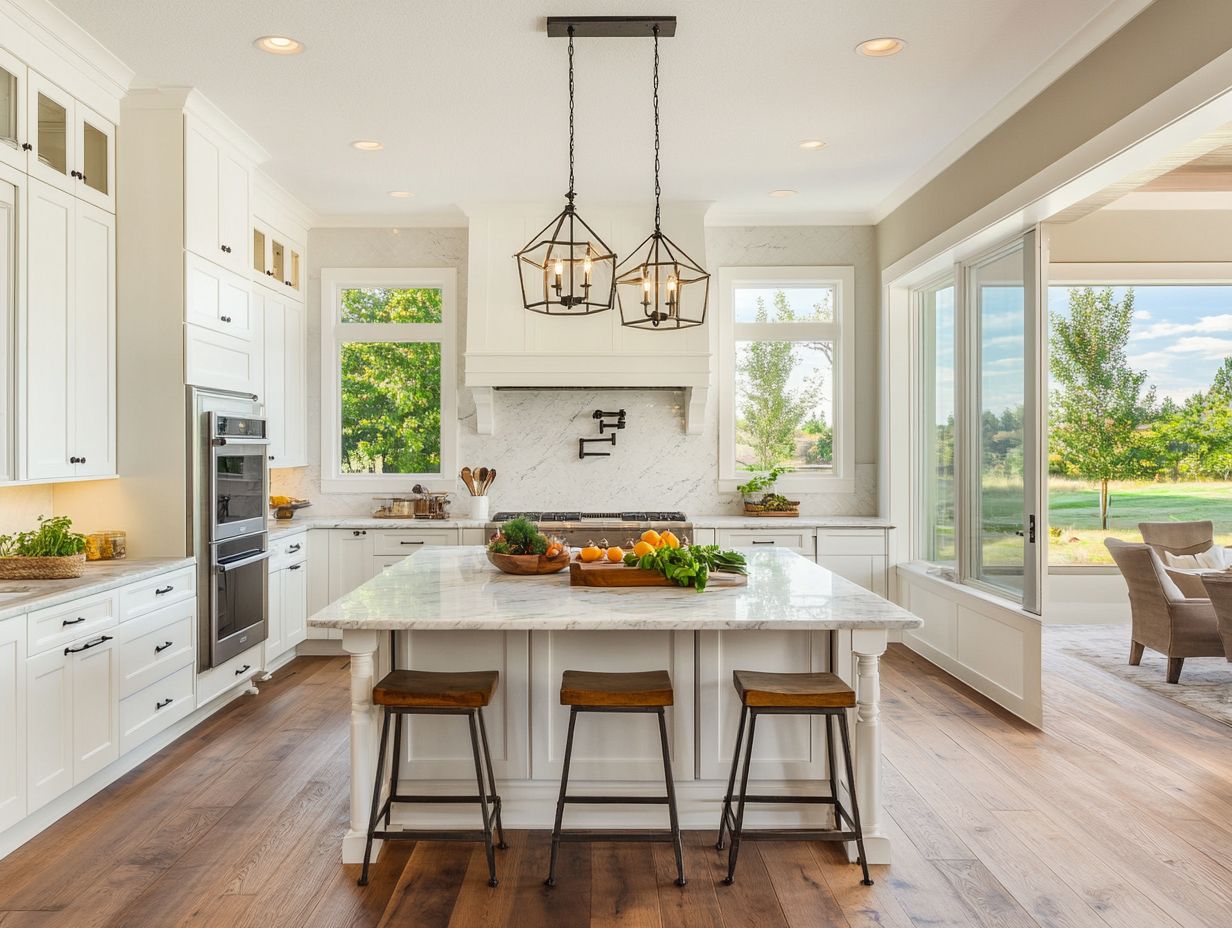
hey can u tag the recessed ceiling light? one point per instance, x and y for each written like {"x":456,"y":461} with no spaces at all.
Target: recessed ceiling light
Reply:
{"x":783,"y":194}
{"x":367,"y":145}
{"x":882,"y":47}
{"x":401,"y":194}
{"x":812,"y":145}
{"x":279,"y":45}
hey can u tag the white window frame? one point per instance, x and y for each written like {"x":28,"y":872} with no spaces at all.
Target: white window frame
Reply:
{"x":840,"y":332}
{"x":334,"y":333}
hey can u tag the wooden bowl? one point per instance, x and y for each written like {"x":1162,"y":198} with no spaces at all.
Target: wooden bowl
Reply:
{"x":529,"y":565}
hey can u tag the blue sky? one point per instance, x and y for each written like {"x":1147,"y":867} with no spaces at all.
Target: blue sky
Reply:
{"x":1180,"y":336}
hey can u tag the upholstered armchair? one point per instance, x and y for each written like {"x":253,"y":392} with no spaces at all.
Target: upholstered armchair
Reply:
{"x":1219,"y":589}
{"x":1164,"y":618}
{"x":1180,"y":538}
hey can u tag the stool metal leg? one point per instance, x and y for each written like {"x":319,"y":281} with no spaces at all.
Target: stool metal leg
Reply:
{"x":560,"y":802}
{"x":855,"y":805}
{"x":483,"y":801}
{"x":399,"y":720}
{"x":496,"y":801}
{"x":731,"y":779}
{"x":744,"y":789}
{"x":832,"y":770}
{"x":671,"y":801}
{"x":376,"y":799}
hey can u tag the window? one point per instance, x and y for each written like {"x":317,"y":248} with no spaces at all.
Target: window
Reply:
{"x":388,"y":374}
{"x":937,"y":339}
{"x":786,"y":375}
{"x":1163,"y":388}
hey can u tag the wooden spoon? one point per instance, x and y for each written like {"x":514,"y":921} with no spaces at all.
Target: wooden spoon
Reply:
{"x":469,"y":479}
{"x":482,"y":477}
{"x":491,"y":480}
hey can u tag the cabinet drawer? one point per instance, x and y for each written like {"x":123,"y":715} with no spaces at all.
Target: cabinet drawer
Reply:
{"x":217,"y":680}
{"x":800,"y":541}
{"x":292,"y":549}
{"x":148,"y":711}
{"x":156,"y":644}
{"x":56,"y":626}
{"x":157,"y":592}
{"x":835,"y":541}
{"x":412,"y":541}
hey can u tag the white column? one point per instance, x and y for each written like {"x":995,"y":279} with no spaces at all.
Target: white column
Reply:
{"x":362,"y":646}
{"x":868,"y":645}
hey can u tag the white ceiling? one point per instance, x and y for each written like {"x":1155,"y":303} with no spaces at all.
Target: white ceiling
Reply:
{"x":469,"y":97}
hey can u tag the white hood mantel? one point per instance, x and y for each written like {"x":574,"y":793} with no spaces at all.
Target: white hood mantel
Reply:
{"x":508,"y":347}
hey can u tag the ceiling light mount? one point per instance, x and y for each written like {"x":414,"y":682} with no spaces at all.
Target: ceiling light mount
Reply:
{"x":611,"y":27}
{"x":881,"y":47}
{"x":279,"y":45}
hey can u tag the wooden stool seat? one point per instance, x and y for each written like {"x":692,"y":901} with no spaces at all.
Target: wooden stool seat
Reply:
{"x":425,"y":689}
{"x":806,"y":690}
{"x":649,"y":689}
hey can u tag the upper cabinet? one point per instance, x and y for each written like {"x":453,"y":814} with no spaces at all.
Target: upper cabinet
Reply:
{"x":13,"y":132}
{"x":277,"y":260}
{"x":216,"y":221}
{"x":70,"y":146}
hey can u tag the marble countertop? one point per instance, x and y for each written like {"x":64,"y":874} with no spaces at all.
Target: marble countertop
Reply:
{"x":99,"y":577}
{"x":456,"y":588}
{"x":801,"y":521}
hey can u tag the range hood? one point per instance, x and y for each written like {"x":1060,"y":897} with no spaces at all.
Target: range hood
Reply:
{"x":507,"y":347}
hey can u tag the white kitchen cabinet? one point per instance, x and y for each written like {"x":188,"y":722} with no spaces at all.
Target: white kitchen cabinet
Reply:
{"x":218,"y":299}
{"x":96,"y":705}
{"x":52,"y":158}
{"x":155,"y":645}
{"x":295,"y":604}
{"x":158,"y":706}
{"x":382,"y":562}
{"x":285,"y":384}
{"x":288,"y":598}
{"x":12,"y":260}
{"x":799,"y":540}
{"x":94,"y":145}
{"x":860,"y":556}
{"x":216,"y":223}
{"x":69,"y":422}
{"x":218,"y":361}
{"x":318,"y":582}
{"x":350,"y":560}
{"x":12,"y":721}
{"x":13,"y":130}
{"x":277,"y":261}
{"x":274,"y":645}
{"x":49,"y":727}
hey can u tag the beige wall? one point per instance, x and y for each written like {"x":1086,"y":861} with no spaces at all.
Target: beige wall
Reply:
{"x":1143,"y":236}
{"x":1165,"y":43}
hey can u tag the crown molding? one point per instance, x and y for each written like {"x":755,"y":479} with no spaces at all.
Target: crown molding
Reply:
{"x":199,"y":106}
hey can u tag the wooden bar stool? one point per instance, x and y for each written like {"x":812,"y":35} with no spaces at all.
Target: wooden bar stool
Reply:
{"x":421,"y":692}
{"x":649,"y":692}
{"x":821,"y":694}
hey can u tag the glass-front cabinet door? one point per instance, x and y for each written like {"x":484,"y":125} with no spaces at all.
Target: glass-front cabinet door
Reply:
{"x":52,"y":137}
{"x":95,"y":159}
{"x":12,"y":111}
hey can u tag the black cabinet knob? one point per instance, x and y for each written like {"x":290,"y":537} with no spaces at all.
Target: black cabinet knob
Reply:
{"x":26,"y":146}
{"x":269,"y":273}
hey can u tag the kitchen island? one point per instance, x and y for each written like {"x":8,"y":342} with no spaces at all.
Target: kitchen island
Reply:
{"x":449,"y":609}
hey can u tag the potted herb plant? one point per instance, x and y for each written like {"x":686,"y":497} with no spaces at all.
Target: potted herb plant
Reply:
{"x":53,"y":552}
{"x":769,"y":503}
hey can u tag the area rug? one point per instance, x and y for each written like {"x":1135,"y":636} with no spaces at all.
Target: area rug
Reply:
{"x":1206,"y":682}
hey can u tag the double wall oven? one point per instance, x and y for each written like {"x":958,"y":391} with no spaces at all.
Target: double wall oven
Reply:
{"x":234,"y":544}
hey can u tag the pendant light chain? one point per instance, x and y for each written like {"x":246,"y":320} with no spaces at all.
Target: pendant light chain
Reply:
{"x":570,"y":195}
{"x":656,"y":125}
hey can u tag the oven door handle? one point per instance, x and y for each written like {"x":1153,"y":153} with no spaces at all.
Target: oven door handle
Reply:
{"x":228,"y":566}
{"x":224,"y":442}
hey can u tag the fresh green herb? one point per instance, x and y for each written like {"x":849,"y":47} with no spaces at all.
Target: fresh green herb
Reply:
{"x":54,"y":538}
{"x":689,"y":565}
{"x":519,"y":536}
{"x":760,"y":482}
{"x":776,"y":502}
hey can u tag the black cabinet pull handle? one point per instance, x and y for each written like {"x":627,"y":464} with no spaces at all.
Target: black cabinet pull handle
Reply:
{"x":163,"y":704}
{"x":225,"y":318}
{"x":76,"y":621}
{"x":359,"y":531}
{"x":159,"y":648}
{"x":291,"y":549}
{"x":295,"y":567}
{"x":410,"y":542}
{"x":164,"y":589}
{"x":87,"y":645}
{"x":244,"y":669}
{"x":269,"y":273}
{"x":763,"y":542}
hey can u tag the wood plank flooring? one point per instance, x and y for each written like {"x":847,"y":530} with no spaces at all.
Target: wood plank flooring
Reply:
{"x":1118,"y":816}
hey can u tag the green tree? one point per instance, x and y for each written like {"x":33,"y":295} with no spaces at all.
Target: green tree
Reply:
{"x":1098,"y":402}
{"x":771,"y":412}
{"x":821,"y":449}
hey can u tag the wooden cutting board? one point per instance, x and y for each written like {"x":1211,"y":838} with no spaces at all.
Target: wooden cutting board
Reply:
{"x":607,"y":574}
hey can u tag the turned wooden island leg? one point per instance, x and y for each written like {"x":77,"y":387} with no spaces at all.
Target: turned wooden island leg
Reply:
{"x":867,"y":646}
{"x":362,"y":646}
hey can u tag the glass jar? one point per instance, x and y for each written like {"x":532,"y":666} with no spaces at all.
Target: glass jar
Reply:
{"x":106,"y":546}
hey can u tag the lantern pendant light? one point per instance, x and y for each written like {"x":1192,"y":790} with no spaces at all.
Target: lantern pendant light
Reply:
{"x":659,"y":286}
{"x":567,"y":269}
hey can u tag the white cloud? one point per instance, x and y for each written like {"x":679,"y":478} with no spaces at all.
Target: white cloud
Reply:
{"x":1204,"y":346}
{"x":1220,"y":323}
{"x":1142,"y":314}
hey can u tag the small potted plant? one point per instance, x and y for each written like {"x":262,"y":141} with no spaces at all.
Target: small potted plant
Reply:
{"x":769,"y":503}
{"x":53,"y":552}
{"x":520,"y":548}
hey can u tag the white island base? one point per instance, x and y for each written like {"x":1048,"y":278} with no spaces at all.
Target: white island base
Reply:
{"x":451,"y":611}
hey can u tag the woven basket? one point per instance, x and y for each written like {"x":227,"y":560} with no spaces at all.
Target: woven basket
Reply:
{"x":42,"y":568}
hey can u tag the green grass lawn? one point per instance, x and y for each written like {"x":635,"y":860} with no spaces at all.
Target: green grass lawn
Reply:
{"x":1074,"y":508}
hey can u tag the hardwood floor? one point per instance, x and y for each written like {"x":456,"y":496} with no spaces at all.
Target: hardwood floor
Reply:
{"x":1119,"y":815}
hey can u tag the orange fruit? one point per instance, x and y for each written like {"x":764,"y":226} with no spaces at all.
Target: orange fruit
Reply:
{"x":650,"y":536}
{"x":615,"y":554}
{"x":591,"y":553}
{"x":642,"y":548}
{"x":670,"y":540}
